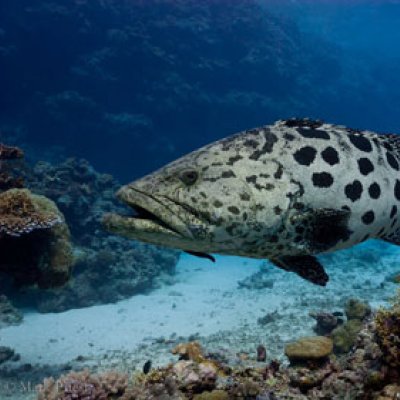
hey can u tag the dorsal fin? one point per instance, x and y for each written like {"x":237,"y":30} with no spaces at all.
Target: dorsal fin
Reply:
{"x":389,"y":141}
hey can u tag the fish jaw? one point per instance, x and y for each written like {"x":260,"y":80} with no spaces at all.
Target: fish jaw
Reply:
{"x":155,"y":221}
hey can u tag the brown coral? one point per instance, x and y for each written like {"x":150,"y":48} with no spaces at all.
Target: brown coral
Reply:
{"x":189,"y":351}
{"x":19,"y":214}
{"x":7,"y":180}
{"x":84,"y":386}
{"x":10,"y":152}
{"x":34,"y":240}
{"x":388,"y":333}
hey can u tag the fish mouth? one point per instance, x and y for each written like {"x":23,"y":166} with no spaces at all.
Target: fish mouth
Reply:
{"x":152,"y":219}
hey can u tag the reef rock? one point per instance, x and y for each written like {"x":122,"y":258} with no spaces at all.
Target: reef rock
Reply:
{"x":326,"y":322}
{"x":356,"y":309}
{"x":345,"y":336}
{"x":9,"y":315}
{"x":34,"y":240}
{"x":83,"y":386}
{"x":189,"y":351}
{"x":309,"y":348}
{"x":367,"y":372}
{"x":7,"y":178}
{"x":84,"y":195}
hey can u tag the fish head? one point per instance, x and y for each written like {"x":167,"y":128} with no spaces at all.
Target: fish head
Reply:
{"x":198,"y":203}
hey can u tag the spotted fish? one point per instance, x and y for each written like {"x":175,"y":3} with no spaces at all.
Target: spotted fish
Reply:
{"x":285,"y":192}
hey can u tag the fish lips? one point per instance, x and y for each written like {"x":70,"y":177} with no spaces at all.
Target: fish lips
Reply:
{"x":152,"y":217}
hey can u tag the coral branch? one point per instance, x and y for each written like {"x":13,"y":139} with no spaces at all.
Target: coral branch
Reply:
{"x":10,"y":152}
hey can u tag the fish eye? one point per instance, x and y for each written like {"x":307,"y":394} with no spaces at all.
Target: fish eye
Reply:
{"x":189,"y":177}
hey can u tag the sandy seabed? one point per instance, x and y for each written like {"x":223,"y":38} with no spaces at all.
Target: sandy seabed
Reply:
{"x":203,"y":303}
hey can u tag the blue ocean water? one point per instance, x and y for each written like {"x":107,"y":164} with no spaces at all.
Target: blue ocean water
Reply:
{"x":98,"y":93}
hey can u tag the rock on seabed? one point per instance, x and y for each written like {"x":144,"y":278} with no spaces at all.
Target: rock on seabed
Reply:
{"x":309,"y":348}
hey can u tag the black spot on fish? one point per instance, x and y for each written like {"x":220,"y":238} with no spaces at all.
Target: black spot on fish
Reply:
{"x":147,"y":367}
{"x":330,"y":156}
{"x":368,"y":217}
{"x":203,"y":195}
{"x":391,"y":159}
{"x":305,"y":155}
{"x":270,"y":140}
{"x":279,"y":172}
{"x":217,"y":204}
{"x":251,"y":143}
{"x":299,"y":229}
{"x":353,"y":191}
{"x":314,"y":134}
{"x":361,"y":142}
{"x":346,"y":208}
{"x":393,"y":223}
{"x":228,"y":174}
{"x":245,"y":216}
{"x":322,"y":179}
{"x":233,"y":210}
{"x":298,"y":206}
{"x":217,"y":164}
{"x":211,"y":179}
{"x":244,"y":196}
{"x":278,"y":210}
{"x":232,"y":160}
{"x":374,"y":191}
{"x":251,"y":179}
{"x":397,"y":190}
{"x":289,"y":137}
{"x":393,"y":212}
{"x":365,"y":166}
{"x":302,"y":123}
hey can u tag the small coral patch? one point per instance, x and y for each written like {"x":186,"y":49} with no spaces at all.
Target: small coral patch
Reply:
{"x":19,"y":214}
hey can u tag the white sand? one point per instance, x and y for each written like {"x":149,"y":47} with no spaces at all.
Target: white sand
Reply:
{"x":205,"y":300}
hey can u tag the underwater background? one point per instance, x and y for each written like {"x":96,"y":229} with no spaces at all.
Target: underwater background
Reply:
{"x":96,"y":93}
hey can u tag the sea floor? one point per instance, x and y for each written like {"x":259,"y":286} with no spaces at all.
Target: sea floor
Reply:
{"x":204,"y":303}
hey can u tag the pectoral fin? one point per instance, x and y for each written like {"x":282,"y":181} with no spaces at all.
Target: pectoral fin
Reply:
{"x":201,"y":255}
{"x":325,"y":227}
{"x":308,"y":267}
{"x":393,"y":238}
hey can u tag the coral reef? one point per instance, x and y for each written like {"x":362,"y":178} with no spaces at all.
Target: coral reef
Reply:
{"x":7,"y":178}
{"x":367,"y":372}
{"x":309,"y":349}
{"x":9,"y":315}
{"x":388,"y":334}
{"x":345,"y":335}
{"x":107,"y":268}
{"x":356,"y":309}
{"x":7,"y":354}
{"x":326,"y":322}
{"x":34,"y":240}
{"x":84,"y":386}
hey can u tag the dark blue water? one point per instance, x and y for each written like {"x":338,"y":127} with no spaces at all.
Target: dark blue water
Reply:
{"x":130,"y":85}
